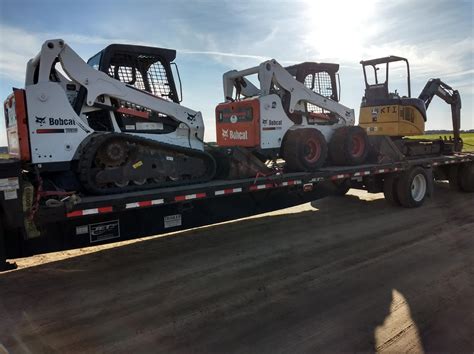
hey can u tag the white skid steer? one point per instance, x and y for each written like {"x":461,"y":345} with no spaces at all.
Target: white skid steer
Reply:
{"x":291,"y":113}
{"x":111,"y":125}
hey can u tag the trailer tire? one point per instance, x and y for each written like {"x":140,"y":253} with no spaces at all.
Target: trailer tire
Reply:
{"x":349,"y":146}
{"x":466,"y":177}
{"x":413,"y":187}
{"x":304,"y":149}
{"x":390,"y":190}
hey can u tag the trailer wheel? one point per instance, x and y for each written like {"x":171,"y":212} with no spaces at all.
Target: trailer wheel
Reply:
{"x":390,"y":190}
{"x":413,"y":187}
{"x":304,"y":149}
{"x":466,"y":177}
{"x":349,"y":146}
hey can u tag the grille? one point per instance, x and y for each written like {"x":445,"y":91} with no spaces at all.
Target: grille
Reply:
{"x":126,"y":75}
{"x":144,"y":72}
{"x":320,"y":83}
{"x":407,"y":113}
{"x":158,"y":80}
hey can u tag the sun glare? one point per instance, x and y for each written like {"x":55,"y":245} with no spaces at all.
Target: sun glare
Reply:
{"x":340,"y":29}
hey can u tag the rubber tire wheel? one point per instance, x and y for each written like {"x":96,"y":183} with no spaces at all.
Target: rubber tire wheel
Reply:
{"x":466,"y":177}
{"x":293,"y":149}
{"x":390,"y":190}
{"x":342,"y":144}
{"x":404,"y":187}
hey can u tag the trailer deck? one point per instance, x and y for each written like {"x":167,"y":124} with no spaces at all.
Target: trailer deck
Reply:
{"x":90,"y":205}
{"x":93,"y":219}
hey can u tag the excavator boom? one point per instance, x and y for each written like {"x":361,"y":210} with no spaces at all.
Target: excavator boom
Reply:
{"x":436,"y":87}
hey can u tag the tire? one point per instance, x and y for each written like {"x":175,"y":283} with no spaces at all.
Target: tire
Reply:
{"x":349,"y":146}
{"x":304,"y":150}
{"x":390,"y":190}
{"x":466,"y":177}
{"x":413,"y":187}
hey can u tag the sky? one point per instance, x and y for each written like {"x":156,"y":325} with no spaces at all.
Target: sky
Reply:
{"x":212,"y":37}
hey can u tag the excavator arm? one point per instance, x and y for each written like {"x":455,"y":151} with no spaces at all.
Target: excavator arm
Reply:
{"x":436,"y":87}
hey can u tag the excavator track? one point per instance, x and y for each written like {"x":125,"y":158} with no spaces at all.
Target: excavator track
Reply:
{"x":113,"y":163}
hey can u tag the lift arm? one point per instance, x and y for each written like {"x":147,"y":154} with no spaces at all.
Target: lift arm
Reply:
{"x":272,"y":73}
{"x":436,"y":87}
{"x":97,"y":83}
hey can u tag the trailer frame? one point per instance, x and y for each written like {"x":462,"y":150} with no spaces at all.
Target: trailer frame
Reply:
{"x":28,"y":228}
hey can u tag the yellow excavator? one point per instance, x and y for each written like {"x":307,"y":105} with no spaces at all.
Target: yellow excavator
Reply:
{"x":387,"y":114}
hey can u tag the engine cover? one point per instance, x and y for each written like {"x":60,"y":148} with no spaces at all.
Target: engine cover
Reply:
{"x":238,"y":123}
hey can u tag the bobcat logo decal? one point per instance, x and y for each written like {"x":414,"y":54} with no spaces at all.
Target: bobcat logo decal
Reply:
{"x":225,"y":133}
{"x":40,"y":120}
{"x":191,"y":117}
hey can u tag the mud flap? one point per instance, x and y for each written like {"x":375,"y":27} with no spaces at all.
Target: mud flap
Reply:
{"x":430,"y":182}
{"x":4,"y":265}
{"x":28,"y":197}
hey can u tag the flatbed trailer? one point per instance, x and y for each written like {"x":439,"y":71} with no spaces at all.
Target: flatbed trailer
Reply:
{"x":28,"y":227}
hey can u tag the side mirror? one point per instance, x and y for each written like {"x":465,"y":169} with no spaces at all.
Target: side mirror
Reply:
{"x":180,"y":94}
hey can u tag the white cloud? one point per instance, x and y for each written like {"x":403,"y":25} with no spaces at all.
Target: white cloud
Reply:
{"x":15,"y":57}
{"x":294,"y":31}
{"x":18,"y":47}
{"x":218,"y":55}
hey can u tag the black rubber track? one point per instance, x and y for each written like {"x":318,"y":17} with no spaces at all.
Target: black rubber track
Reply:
{"x":89,"y":151}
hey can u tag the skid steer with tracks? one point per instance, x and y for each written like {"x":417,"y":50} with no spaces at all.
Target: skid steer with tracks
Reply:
{"x":111,"y":125}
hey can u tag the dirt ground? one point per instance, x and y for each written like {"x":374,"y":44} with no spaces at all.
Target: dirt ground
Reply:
{"x":345,"y":274}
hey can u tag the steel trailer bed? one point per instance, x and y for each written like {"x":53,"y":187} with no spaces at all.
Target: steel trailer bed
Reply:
{"x":92,"y":220}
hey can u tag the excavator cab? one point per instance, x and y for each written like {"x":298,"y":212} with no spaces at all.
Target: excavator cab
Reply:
{"x":387,"y":113}
{"x":379,"y":90}
{"x":390,"y":114}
